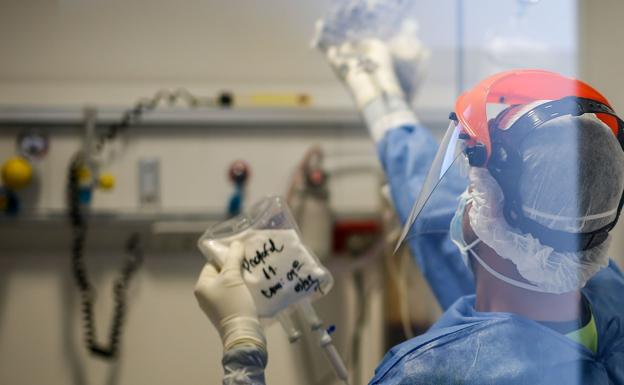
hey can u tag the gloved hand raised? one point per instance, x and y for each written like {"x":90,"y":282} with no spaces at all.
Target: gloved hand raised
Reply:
{"x":366,"y":68}
{"x":225,"y":299}
{"x":372,"y":66}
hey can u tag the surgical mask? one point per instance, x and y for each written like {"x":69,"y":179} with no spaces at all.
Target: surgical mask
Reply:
{"x":456,"y":229}
{"x":457,"y":237}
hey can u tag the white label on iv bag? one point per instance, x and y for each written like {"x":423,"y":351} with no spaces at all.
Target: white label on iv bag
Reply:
{"x":278,"y":270}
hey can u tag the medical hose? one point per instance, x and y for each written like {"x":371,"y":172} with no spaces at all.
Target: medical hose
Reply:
{"x":78,"y":220}
{"x":81,"y":277}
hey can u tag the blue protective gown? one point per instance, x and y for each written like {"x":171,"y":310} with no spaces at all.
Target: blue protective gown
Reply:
{"x":470,"y":347}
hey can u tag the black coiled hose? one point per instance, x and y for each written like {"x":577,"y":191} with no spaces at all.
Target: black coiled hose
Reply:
{"x":87,"y":292}
{"x":78,"y":220}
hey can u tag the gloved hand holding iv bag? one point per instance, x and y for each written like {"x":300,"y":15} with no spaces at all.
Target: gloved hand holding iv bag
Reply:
{"x":277,"y":268}
{"x":270,"y":275}
{"x":223,"y":296}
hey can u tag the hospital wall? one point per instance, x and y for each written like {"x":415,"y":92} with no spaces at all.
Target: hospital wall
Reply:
{"x":61,"y":55}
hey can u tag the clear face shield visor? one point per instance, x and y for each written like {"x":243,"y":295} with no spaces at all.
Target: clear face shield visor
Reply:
{"x":449,"y":167}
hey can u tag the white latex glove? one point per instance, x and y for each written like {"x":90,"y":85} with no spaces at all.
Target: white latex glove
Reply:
{"x":225,"y":299}
{"x":367,"y":69}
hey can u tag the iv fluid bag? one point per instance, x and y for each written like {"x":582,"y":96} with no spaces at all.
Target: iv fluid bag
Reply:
{"x":353,"y":20}
{"x":277,"y":268}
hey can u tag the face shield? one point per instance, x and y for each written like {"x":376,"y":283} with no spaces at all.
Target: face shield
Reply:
{"x":451,"y":159}
{"x":477,"y":137}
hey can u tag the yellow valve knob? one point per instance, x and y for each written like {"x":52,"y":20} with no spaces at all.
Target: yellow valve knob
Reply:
{"x":16,"y":173}
{"x":84,"y":174}
{"x":106,"y":181}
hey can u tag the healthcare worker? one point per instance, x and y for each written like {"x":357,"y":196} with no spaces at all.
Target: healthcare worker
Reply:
{"x":509,"y":220}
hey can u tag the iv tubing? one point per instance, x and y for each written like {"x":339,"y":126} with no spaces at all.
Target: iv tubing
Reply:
{"x":325,"y":341}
